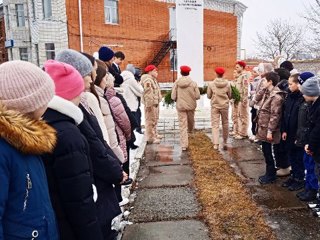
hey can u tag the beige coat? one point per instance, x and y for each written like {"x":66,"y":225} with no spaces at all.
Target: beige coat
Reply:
{"x":269,"y":115}
{"x":152,"y":94}
{"x":94,"y":106}
{"x":110,"y":125}
{"x":186,"y":93}
{"x":219,"y":91}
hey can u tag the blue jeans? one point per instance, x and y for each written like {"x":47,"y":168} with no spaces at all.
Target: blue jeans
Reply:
{"x":311,"y":178}
{"x":295,"y":155}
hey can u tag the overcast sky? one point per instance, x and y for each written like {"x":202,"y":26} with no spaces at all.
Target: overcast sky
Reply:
{"x":260,"y":12}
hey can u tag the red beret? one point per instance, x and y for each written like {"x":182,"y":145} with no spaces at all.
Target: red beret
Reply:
{"x":241,"y":63}
{"x":220,"y":70}
{"x":150,"y":68}
{"x":185,"y":69}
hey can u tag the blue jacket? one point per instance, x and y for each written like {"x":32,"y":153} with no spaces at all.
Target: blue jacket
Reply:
{"x":25,"y":206}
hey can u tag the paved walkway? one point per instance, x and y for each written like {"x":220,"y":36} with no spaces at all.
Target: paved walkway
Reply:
{"x":166,"y":206}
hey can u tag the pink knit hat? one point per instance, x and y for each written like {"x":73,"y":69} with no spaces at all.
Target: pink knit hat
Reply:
{"x":68,"y":81}
{"x":24,"y":86}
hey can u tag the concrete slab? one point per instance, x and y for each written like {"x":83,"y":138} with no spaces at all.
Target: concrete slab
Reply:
{"x":173,"y":230}
{"x":167,"y":154}
{"x":295,"y":224}
{"x":168,"y":176}
{"x":246,"y":153}
{"x":273,"y":196}
{"x":252,"y":169}
{"x":161,"y":204}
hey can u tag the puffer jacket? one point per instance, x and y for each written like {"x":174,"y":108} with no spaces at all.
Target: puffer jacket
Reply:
{"x":289,"y":122}
{"x":110,"y":125}
{"x":186,"y":93}
{"x":132,"y":90}
{"x":152,"y":94}
{"x":269,"y":115}
{"x":314,"y":130}
{"x":93,"y":103}
{"x":219,"y":91}
{"x":25,"y":205}
{"x":121,"y":119}
{"x":302,"y":129}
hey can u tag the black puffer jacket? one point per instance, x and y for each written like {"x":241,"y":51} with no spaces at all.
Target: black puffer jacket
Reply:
{"x":314,"y":130}
{"x":106,"y":171}
{"x":302,"y":128}
{"x":70,"y":180}
{"x":289,"y":123}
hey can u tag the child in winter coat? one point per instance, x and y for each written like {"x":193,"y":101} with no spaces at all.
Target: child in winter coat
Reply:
{"x":311,"y":92}
{"x":311,"y":182}
{"x":186,"y":93}
{"x":69,"y":167}
{"x":289,"y":132}
{"x":25,"y":206}
{"x":268,"y":124}
{"x":219,"y":91}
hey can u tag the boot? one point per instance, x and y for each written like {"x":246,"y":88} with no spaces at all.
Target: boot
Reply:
{"x":267,"y":179}
{"x":296,"y":185}
{"x":310,"y":195}
{"x":288,"y":182}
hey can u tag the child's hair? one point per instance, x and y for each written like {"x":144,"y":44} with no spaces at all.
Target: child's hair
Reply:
{"x":120,"y":55}
{"x":283,"y":73}
{"x":294,"y":78}
{"x":272,"y":76}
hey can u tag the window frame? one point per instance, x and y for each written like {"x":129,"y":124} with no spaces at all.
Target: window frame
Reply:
{"x":48,"y":4}
{"x":22,"y":16}
{"x":23,"y":54}
{"x":50,"y":51}
{"x":112,"y":11}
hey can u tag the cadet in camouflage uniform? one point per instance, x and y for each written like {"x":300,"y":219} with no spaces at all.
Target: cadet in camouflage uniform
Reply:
{"x":151,"y":99}
{"x":242,"y":84}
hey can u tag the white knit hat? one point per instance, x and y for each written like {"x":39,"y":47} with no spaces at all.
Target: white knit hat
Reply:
{"x":24,"y":86}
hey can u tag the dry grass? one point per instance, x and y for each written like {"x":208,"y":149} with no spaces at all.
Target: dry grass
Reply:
{"x":227,"y":206}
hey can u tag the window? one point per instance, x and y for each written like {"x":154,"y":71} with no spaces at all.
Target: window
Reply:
{"x":50,"y":51}
{"x":7,"y":17}
{"x":33,"y":10}
{"x":47,"y":9}
{"x":173,"y":59}
{"x":20,"y":15}
{"x":111,"y":11}
{"x":24,"y":54}
{"x":36,"y":46}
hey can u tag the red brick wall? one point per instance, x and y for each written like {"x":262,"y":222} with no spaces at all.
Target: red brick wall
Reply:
{"x":3,"y":50}
{"x":143,"y":25}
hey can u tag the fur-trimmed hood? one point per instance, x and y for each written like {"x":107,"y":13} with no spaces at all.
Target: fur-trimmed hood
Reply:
{"x":27,"y":135}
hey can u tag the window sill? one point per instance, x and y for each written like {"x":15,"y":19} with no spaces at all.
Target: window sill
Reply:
{"x":114,"y":24}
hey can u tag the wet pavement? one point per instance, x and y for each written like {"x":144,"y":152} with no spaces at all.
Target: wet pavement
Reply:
{"x":166,"y":206}
{"x":286,"y":214}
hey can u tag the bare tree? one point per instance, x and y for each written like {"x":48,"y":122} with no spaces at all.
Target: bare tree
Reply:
{"x":280,"y":38}
{"x":312,"y":15}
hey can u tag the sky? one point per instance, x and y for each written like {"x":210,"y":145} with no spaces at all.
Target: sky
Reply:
{"x":260,"y":12}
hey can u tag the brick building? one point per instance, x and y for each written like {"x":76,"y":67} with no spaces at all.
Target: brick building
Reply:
{"x":141,"y":28}
{"x":35,"y":28}
{"x":3,"y":50}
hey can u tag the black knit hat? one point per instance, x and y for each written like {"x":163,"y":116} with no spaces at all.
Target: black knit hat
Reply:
{"x":287,"y":65}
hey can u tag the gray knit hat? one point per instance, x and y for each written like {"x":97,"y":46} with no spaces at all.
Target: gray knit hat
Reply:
{"x":131,"y":68}
{"x":311,"y":87}
{"x":77,"y":60}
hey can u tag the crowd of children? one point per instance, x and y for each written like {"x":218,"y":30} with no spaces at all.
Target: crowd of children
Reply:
{"x":65,"y":137}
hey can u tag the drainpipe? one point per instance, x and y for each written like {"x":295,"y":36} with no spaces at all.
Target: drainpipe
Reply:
{"x":80,"y":25}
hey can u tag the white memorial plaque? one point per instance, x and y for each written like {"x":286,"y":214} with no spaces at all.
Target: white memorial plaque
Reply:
{"x":189,"y":20}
